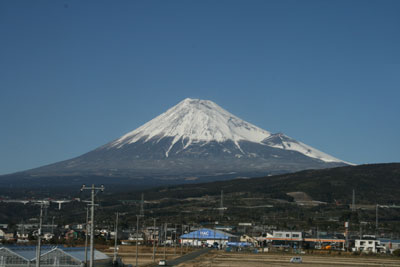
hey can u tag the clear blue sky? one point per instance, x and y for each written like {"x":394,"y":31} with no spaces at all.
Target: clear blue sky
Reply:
{"x":75,"y":75}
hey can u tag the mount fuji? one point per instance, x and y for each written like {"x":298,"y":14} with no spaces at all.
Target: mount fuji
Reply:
{"x":194,"y":140}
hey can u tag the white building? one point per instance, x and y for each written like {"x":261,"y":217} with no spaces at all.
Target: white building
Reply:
{"x":369,"y":245}
{"x":288,"y":235}
{"x":248,"y":239}
{"x":207,"y":237}
{"x":48,"y":236}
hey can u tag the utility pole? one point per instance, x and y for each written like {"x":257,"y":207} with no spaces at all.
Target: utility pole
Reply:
{"x":93,"y":189}
{"x":346,"y":225}
{"x":175,"y":242}
{"x":115,"y":240}
{"x":195,"y":235}
{"x":137,"y":238}
{"x":141,"y":214}
{"x":214,"y":237}
{"x":23,"y":227}
{"x":221,"y":208}
{"x":52,"y":226}
{"x":353,"y":205}
{"x":142,"y":206}
{"x":165,"y":238}
{"x":39,"y":235}
{"x":86,"y":233}
{"x":376,"y":219}
{"x":181,"y":239}
{"x":154,"y":241}
{"x":187,"y":244}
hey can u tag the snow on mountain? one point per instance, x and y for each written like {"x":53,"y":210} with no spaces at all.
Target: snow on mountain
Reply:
{"x":195,"y":121}
{"x":284,"y":142}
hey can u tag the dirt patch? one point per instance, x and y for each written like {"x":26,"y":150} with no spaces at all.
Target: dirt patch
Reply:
{"x":300,"y":196}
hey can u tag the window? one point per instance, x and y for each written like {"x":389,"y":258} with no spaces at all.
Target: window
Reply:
{"x":296,"y":235}
{"x":287,"y":235}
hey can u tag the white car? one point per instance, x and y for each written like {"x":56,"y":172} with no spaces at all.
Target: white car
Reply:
{"x":162,"y":263}
{"x":296,"y":260}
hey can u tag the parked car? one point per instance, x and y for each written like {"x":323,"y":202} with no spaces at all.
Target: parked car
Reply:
{"x":296,"y":260}
{"x":162,"y":263}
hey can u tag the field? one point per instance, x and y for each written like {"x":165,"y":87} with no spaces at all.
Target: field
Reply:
{"x":216,"y":258}
{"x":145,"y":255}
{"x":228,"y":259}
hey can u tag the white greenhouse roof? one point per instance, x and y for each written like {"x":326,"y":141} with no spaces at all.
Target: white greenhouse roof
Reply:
{"x":29,"y":252}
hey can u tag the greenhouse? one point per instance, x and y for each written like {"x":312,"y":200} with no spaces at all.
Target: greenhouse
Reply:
{"x":20,"y":256}
{"x":11,"y":259}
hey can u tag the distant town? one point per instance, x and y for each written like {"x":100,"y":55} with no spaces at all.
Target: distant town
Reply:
{"x":158,"y":236}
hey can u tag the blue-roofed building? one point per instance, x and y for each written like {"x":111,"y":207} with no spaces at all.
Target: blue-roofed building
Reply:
{"x":20,"y":256}
{"x":207,"y":237}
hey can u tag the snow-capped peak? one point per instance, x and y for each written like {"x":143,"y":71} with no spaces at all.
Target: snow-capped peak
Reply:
{"x":195,"y":120}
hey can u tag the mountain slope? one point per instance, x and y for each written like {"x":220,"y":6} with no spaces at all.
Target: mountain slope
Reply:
{"x":195,"y":138}
{"x":373,"y":183}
